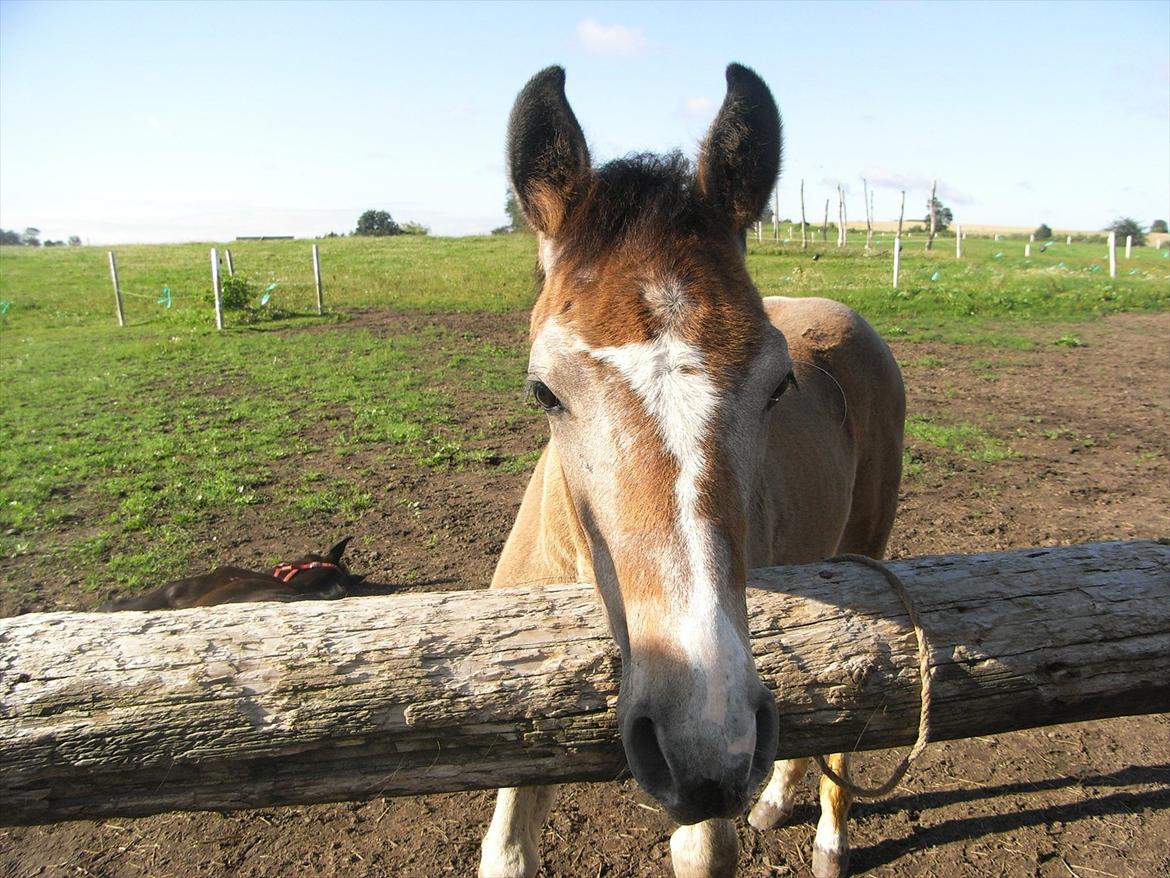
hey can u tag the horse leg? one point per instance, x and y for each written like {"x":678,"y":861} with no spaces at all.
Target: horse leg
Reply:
{"x":775,"y":803}
{"x":705,"y":850}
{"x":831,"y":848}
{"x":511,"y":847}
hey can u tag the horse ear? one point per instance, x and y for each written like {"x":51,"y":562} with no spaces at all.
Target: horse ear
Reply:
{"x":548,"y":161}
{"x":335,"y":553}
{"x":740,"y":158}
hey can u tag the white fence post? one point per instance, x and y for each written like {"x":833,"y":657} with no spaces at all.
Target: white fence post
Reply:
{"x":227,"y":255}
{"x":897,"y":258}
{"x":215,"y":288}
{"x":1027,"y":251}
{"x":117,"y":289}
{"x":1113,"y":254}
{"x":1068,"y":239}
{"x":958,"y":241}
{"x":1129,"y":246}
{"x":317,"y":279}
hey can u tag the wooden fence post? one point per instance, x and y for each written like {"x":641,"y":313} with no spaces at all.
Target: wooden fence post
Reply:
{"x":776,"y":215}
{"x":317,"y":279}
{"x":215,"y":288}
{"x":117,"y":289}
{"x":897,"y":258}
{"x":803,"y":235}
{"x":933,"y":216}
{"x":1113,"y":254}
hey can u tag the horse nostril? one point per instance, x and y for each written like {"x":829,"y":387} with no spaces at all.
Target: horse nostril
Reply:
{"x":645,"y":756}
{"x":767,"y":738}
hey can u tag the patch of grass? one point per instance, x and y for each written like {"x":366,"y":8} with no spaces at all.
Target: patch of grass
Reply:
{"x":964,"y":440}
{"x":1069,"y":340}
{"x":141,"y":435}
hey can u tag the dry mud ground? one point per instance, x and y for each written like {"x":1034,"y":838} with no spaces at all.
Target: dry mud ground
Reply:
{"x":1090,"y":431}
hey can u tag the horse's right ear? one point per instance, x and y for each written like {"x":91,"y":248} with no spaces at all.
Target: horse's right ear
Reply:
{"x":548,"y":161}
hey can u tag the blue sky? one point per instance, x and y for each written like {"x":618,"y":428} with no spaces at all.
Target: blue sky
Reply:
{"x":203,"y":121}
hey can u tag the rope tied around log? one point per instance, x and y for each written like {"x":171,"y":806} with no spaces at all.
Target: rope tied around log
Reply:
{"x":924,"y":673}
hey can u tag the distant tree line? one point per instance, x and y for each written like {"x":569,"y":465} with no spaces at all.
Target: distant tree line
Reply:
{"x":379,"y":224}
{"x":32,"y":238}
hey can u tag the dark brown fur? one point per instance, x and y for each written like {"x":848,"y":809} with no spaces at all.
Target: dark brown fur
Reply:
{"x":235,"y":585}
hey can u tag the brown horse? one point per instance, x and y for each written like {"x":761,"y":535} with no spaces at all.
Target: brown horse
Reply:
{"x":697,"y":431}
{"x":308,"y":578}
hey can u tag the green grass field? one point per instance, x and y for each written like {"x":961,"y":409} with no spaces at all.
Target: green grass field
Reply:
{"x":155,"y":429}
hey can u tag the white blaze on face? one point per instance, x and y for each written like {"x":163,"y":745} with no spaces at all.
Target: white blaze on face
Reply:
{"x":669,"y":377}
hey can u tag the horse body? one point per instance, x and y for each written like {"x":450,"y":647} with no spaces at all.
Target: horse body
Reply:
{"x":697,"y":431}
{"x":310,"y":577}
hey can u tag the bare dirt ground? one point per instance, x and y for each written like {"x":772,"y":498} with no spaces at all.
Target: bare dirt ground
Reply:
{"x":1090,"y":431}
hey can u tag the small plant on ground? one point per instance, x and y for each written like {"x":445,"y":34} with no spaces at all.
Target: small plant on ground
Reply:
{"x":234,"y":293}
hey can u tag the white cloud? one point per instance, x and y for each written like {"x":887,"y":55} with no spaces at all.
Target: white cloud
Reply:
{"x":884,"y":178}
{"x":611,"y":39}
{"x":698,"y":106}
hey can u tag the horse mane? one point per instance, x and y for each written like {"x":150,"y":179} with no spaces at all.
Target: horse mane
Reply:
{"x":641,"y":198}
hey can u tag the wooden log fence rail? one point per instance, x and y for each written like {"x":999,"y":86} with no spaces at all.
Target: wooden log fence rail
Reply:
{"x":256,"y":705}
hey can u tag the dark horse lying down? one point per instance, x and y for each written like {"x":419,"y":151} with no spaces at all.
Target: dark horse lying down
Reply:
{"x":309,"y":578}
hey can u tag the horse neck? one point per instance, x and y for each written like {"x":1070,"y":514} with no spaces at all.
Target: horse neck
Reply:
{"x":547,"y":544}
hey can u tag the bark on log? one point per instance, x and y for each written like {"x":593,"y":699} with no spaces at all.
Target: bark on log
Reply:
{"x":263,"y":704}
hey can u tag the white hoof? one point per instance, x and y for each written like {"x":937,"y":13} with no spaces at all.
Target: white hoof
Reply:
{"x":507,"y":861}
{"x":768,"y":815}
{"x":705,"y":850}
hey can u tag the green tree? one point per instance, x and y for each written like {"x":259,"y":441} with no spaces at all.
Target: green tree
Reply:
{"x":1042,"y":233}
{"x":1127,"y":226}
{"x":9,"y":238}
{"x":31,"y":237}
{"x":74,"y":241}
{"x":516,"y":220}
{"x":377,"y":224}
{"x":1158,"y":226}
{"x":413,"y":228}
{"x":942,"y":216}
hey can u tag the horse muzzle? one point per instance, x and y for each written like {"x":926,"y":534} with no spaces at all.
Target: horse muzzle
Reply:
{"x":698,"y":769}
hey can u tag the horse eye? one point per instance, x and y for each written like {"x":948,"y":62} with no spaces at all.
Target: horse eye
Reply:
{"x":544,"y":397}
{"x":789,"y":381}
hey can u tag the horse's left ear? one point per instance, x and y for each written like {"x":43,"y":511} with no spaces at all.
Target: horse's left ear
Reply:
{"x":740,"y":158}
{"x":335,"y":553}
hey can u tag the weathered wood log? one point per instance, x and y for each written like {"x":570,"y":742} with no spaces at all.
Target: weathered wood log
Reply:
{"x":263,"y":704}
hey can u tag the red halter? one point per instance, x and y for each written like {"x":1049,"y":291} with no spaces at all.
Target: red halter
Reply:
{"x":285,"y":572}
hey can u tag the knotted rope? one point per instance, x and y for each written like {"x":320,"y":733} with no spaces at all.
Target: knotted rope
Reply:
{"x":924,"y":673}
